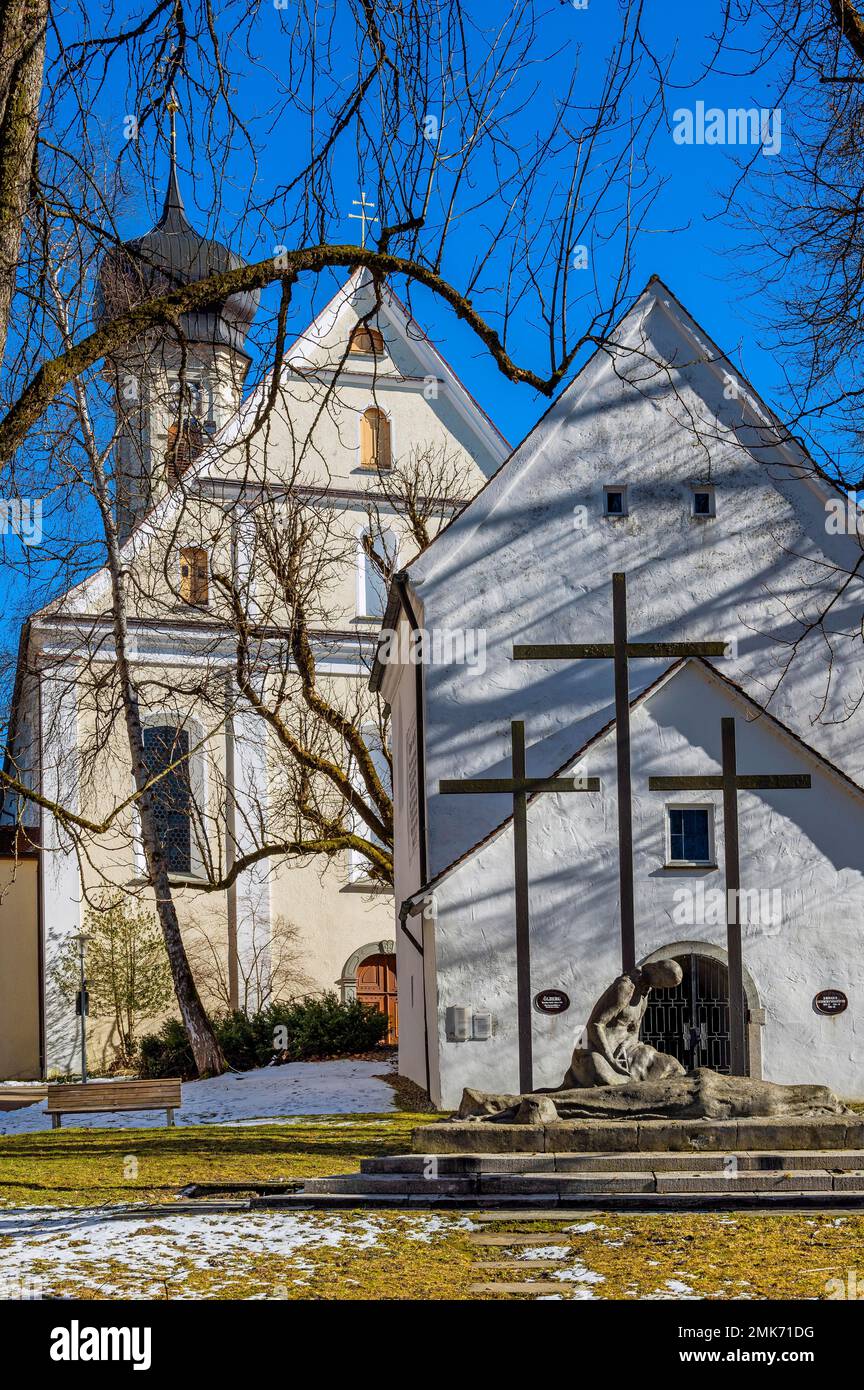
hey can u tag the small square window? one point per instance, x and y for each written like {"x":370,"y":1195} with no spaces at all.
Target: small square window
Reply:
{"x":615,"y":501}
{"x":690,"y":837}
{"x":703,"y":501}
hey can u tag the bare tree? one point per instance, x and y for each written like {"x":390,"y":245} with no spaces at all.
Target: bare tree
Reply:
{"x":425,"y":99}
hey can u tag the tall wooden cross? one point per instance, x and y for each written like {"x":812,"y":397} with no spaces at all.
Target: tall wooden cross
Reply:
{"x":620,"y":651}
{"x":520,"y":788}
{"x":730,"y":782}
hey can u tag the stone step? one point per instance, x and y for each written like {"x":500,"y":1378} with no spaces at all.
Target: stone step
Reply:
{"x":448,"y":1166}
{"x":761,"y":1135}
{"x":400,"y":1184}
{"x":557,"y":1186}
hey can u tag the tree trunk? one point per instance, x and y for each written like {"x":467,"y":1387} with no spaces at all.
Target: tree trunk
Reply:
{"x":22,"y":59}
{"x":209,"y":1060}
{"x":205,"y":1049}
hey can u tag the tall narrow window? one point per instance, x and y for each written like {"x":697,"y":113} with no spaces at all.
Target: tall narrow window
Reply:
{"x":367,"y":340}
{"x":375,"y":439}
{"x":194,"y":577}
{"x":380,"y":758}
{"x":376,"y":562}
{"x":168,"y":747}
{"x":192,"y":406}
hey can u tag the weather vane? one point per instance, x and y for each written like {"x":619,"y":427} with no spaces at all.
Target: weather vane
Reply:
{"x":363,"y":215}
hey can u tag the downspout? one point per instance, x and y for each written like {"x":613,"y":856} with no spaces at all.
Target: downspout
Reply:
{"x":410,"y":909}
{"x":401,"y":582}
{"x":40,"y":873}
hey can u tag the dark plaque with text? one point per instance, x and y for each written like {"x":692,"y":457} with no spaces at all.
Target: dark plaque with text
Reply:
{"x":551,"y":1001}
{"x":830,"y":1001}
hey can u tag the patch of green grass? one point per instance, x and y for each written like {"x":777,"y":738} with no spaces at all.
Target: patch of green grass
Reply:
{"x":717,"y":1256}
{"x":94,"y":1167}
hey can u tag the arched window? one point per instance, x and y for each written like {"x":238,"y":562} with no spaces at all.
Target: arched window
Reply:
{"x":194,"y":574}
{"x":166,"y":747}
{"x":367,"y":340}
{"x":375,"y":439}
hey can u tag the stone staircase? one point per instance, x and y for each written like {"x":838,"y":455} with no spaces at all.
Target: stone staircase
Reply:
{"x":653,"y":1163}
{"x":573,"y":1178}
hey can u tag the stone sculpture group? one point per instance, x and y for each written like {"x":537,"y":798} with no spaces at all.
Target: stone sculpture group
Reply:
{"x":617,"y":1075}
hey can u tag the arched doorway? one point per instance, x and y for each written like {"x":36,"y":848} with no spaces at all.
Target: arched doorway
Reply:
{"x":692,"y":1021}
{"x":376,"y":985}
{"x":370,"y":974}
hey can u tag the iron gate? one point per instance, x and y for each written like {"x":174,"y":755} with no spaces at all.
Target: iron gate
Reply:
{"x":691,"y":1022}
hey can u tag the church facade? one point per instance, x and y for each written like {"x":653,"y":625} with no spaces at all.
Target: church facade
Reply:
{"x":357,"y":394}
{"x":659,"y":461}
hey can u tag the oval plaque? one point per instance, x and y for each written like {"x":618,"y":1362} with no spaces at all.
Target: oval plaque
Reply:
{"x":830,"y":1001}
{"x":551,"y":1001}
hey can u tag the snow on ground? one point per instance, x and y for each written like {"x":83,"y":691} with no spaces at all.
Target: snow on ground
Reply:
{"x":297,"y":1088}
{"x":69,"y":1252}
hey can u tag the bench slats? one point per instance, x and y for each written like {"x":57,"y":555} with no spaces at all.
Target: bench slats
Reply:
{"x":95,"y":1096}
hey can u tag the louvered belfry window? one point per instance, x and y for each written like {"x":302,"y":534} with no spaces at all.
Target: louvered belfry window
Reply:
{"x":183,"y":447}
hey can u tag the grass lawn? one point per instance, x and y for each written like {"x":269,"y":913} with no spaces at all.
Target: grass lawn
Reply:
{"x":67,"y":1248}
{"x":92,"y":1167}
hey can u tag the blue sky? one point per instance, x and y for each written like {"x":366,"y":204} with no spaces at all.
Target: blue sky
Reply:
{"x":689,"y":241}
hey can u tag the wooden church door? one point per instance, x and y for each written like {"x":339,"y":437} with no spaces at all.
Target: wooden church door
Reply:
{"x":376,"y":985}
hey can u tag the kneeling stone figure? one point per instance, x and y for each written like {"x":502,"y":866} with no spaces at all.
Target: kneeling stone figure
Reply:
{"x":614,"y":1052}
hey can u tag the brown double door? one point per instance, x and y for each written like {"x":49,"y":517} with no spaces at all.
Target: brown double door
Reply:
{"x":376,"y":985}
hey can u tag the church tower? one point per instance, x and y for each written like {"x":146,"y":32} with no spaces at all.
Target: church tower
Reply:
{"x":175,"y":387}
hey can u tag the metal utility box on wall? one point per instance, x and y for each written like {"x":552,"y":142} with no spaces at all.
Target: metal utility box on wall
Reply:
{"x":465,"y":1025}
{"x":457,"y":1023}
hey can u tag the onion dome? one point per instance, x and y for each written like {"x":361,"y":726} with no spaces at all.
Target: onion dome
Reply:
{"x":171,"y":255}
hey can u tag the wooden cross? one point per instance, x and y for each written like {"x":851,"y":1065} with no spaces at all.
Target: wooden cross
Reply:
{"x":363,"y":215}
{"x":520,"y":788}
{"x":620,"y":651}
{"x":730,"y":782}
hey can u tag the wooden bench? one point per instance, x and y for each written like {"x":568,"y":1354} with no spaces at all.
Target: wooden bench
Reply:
{"x":99,"y":1097}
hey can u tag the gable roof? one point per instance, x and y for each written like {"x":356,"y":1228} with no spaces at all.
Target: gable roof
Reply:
{"x":414,"y":339}
{"x":710,"y":671}
{"x":340,"y":305}
{"x":623,"y":337}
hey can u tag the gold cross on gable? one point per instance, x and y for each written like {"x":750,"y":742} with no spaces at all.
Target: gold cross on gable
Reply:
{"x":363,"y":216}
